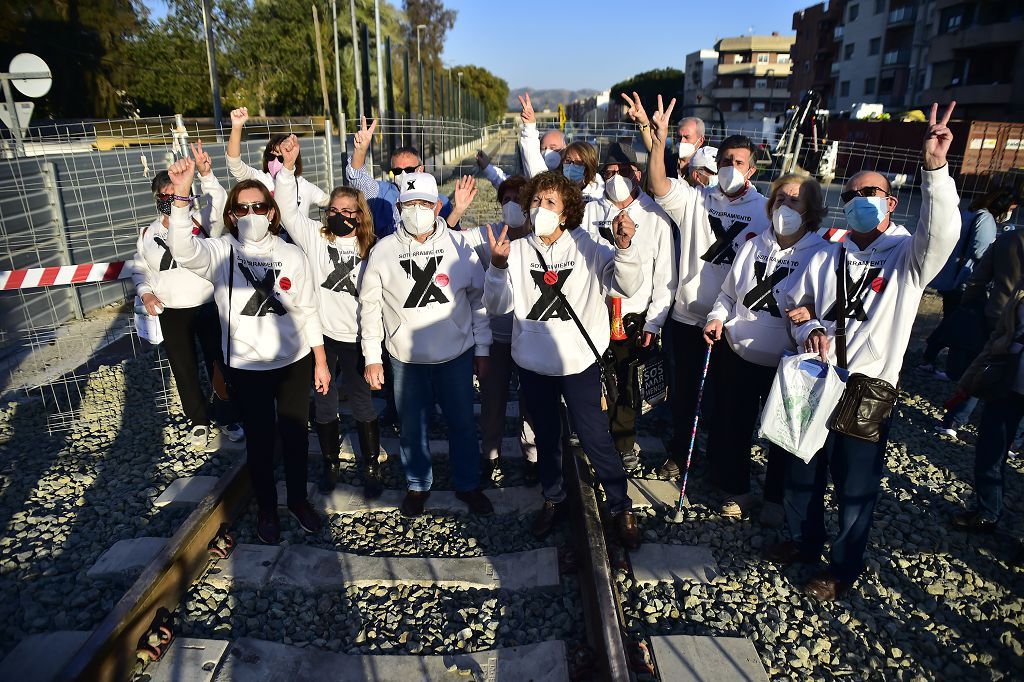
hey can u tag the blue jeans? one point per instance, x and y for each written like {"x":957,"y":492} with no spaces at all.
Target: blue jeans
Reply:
{"x":416,"y":386}
{"x":960,"y":414}
{"x":856,"y":467}
{"x":999,"y":422}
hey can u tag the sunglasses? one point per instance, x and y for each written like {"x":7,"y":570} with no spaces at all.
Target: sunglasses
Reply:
{"x":164,"y":197}
{"x":271,"y":157}
{"x":851,"y":194}
{"x":407,"y":169}
{"x":242,"y":210}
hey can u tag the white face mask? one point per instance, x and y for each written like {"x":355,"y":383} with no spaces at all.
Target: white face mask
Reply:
{"x":730,"y":179}
{"x":252,"y":227}
{"x":512,"y":214}
{"x":686,"y":149}
{"x":786,"y":221}
{"x":544,"y":221}
{"x":417,"y":220}
{"x":552,"y":158}
{"x":618,"y":188}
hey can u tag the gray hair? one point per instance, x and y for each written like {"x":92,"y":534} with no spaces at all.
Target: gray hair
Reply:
{"x":554,"y":132}
{"x":695,"y":121}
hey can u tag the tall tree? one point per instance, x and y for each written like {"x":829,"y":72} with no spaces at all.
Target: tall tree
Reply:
{"x":438,"y":21}
{"x":667,"y":82}
{"x":487,"y":88}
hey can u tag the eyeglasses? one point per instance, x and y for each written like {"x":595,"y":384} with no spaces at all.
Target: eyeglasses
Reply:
{"x":851,"y":194}
{"x":347,"y":212}
{"x":272,"y":156}
{"x":242,"y":210}
{"x":399,"y":170}
{"x":164,"y":197}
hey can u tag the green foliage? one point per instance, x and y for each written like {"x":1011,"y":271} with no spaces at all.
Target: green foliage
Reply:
{"x":486,"y":87}
{"x":666,"y":82}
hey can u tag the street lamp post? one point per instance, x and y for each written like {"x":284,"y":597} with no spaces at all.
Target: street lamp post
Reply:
{"x":460,"y":95}
{"x":769,"y":76}
{"x":419,"y":61}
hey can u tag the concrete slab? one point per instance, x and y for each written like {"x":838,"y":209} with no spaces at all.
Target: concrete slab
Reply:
{"x":347,"y":499}
{"x":256,"y":660}
{"x":38,"y":658}
{"x":188,"y":660}
{"x":282,"y":492}
{"x":511,"y":409}
{"x":186,"y":492}
{"x":313,"y":568}
{"x":649,"y":492}
{"x":673,"y":563}
{"x":126,"y":558}
{"x":688,"y":658}
{"x":248,"y":566}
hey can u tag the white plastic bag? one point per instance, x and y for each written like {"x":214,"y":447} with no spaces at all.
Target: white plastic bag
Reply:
{"x":803,"y":396}
{"x":147,"y":326}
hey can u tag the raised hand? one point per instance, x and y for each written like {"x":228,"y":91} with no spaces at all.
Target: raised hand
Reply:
{"x":500,"y":247}
{"x":482,"y":160}
{"x":636,"y":110}
{"x":527,"y":115}
{"x":659,"y":122}
{"x":465,"y":191}
{"x":182,"y":172}
{"x":290,"y":151}
{"x":938,"y":138}
{"x":623,"y":228}
{"x":239,"y":116}
{"x":364,"y":136}
{"x":203,"y":162}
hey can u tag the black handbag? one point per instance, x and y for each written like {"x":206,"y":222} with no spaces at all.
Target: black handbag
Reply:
{"x":648,"y":384}
{"x":995,"y":378}
{"x":611,"y":389}
{"x":867,"y":402}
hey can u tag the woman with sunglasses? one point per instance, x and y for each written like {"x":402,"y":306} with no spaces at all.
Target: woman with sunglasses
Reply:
{"x":303,"y":194}
{"x":337,"y":249}
{"x":269,"y":322}
{"x":184,"y":304}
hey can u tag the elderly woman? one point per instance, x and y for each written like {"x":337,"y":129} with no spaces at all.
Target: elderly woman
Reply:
{"x":555,"y":280}
{"x":751,"y":313}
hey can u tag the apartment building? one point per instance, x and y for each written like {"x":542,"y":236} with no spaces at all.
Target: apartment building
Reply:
{"x":752,"y":76}
{"x":700,"y":77}
{"x":819,"y":31}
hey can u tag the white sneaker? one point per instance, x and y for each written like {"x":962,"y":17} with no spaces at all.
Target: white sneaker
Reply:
{"x":944,"y":430}
{"x":631,"y":459}
{"x":234,"y":432}
{"x":772,"y":515}
{"x":199,"y":437}
{"x":737,"y":506}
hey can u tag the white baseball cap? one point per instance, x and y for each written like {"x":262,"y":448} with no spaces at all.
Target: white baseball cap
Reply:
{"x":416,"y":186}
{"x":705,"y":157}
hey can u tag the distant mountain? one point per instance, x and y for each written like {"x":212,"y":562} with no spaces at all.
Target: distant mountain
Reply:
{"x":547,"y":99}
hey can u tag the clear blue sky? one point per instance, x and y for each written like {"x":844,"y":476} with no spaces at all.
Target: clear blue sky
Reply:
{"x":593,"y":43}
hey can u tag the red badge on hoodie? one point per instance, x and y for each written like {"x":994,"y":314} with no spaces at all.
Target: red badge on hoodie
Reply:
{"x":284,"y":283}
{"x":878,"y":284}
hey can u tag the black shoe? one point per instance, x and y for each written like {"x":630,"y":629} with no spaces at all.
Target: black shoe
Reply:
{"x":626,"y":529}
{"x":476,"y":501}
{"x":669,"y":471}
{"x":530,"y":473}
{"x":268,"y":527}
{"x":973,"y":522}
{"x":413,"y":503}
{"x":630,"y":460}
{"x":786,"y":553}
{"x":306,"y":516}
{"x":546,"y":519}
{"x":369,"y":446}
{"x":330,"y":448}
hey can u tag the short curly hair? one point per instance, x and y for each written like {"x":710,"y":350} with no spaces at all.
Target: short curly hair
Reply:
{"x":570,"y":194}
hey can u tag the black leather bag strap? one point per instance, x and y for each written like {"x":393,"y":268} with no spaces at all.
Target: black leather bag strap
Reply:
{"x":841,"y":309}
{"x":557,"y":287}
{"x":231,"y":288}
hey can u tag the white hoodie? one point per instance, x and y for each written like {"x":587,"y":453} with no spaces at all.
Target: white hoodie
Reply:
{"x":154,"y":270}
{"x":653,"y":241}
{"x":477,"y":237}
{"x":533,"y":161}
{"x":752,"y":304}
{"x":267,"y":326}
{"x":885,"y":282}
{"x":335,"y":267}
{"x":424,"y":298}
{"x":712,"y":228}
{"x":303,"y":194}
{"x":545,"y":339}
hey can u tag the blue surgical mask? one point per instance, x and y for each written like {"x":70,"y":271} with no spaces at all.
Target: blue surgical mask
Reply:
{"x":573,"y":171}
{"x":864,"y":214}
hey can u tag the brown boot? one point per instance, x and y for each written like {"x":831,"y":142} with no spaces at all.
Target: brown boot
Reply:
{"x":627,"y":530}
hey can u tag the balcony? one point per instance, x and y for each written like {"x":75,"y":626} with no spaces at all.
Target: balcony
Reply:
{"x":971,"y":94}
{"x":944,"y":45}
{"x":902,"y":15}
{"x":750,"y":93}
{"x":754,"y":69}
{"x":896,"y":58}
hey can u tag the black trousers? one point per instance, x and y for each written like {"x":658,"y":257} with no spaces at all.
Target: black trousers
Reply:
{"x":939,"y":338}
{"x":181,"y":328}
{"x":621,"y":415}
{"x":743,"y":386}
{"x":275,"y":402}
{"x":347,"y":358}
{"x":688,"y":351}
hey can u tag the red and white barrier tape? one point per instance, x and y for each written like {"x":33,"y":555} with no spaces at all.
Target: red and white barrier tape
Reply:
{"x":32,"y":278}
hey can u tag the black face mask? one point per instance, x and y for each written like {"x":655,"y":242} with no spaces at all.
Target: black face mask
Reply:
{"x":164,"y":206}
{"x":341,"y":226}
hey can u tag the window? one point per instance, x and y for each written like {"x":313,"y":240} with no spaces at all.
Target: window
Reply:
{"x":844,"y":89}
{"x":848,"y":51}
{"x":760,"y":106}
{"x":783,"y":58}
{"x":869,"y":86}
{"x":807,"y":67}
{"x":879,"y":6}
{"x":737,"y":82}
{"x":737,"y":59}
{"x":761,"y":83}
{"x":737,"y":106}
{"x":853,"y":12}
{"x":762,"y":59}
{"x":875,"y":46}
{"x":886,"y":85}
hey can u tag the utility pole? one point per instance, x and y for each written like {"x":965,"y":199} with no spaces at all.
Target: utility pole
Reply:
{"x":355,"y":61}
{"x":211,"y":59}
{"x":380,"y":62}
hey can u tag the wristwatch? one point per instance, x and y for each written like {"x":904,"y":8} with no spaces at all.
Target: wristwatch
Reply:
{"x":644,"y":126}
